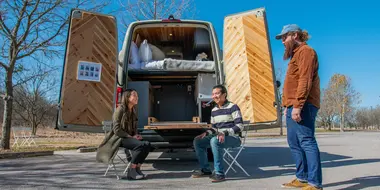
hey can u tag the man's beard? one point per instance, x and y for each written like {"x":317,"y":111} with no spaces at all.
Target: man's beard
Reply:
{"x":289,"y":48}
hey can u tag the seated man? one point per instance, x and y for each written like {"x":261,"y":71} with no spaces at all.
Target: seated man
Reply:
{"x":226,"y":123}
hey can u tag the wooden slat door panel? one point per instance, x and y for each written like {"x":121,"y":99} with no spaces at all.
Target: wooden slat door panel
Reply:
{"x":92,"y":38}
{"x":248,"y":66}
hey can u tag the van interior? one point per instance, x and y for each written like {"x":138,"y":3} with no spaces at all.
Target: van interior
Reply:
{"x":174,"y":72}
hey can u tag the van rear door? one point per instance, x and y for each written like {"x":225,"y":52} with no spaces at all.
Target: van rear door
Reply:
{"x":88,"y":84}
{"x":248,"y":67}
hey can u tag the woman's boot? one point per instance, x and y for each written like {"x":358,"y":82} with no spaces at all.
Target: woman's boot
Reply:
{"x":133,"y":175}
{"x":138,"y":170}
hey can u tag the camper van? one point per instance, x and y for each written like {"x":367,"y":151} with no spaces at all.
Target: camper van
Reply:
{"x":173,"y":65}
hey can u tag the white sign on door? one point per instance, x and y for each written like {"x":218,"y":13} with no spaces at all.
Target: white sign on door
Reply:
{"x":89,"y":71}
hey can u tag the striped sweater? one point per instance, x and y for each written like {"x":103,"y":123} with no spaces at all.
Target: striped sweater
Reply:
{"x":227,"y":119}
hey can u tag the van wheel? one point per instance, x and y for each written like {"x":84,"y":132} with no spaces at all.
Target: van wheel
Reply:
{"x":210,"y":156}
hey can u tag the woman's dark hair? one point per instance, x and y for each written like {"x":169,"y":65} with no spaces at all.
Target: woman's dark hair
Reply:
{"x":125,"y":100}
{"x":223,"y":89}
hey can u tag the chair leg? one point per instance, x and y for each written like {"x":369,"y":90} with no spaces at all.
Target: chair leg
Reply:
{"x":234,"y":161}
{"x":129,"y":165}
{"x":114,"y":168}
{"x":246,"y":173}
{"x":33,"y":142}
{"x":16,"y":142}
{"x":229,"y":166}
{"x":109,"y":166}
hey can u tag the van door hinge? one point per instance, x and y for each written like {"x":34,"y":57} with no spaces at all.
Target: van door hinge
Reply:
{"x":77,"y":14}
{"x":259,"y":13}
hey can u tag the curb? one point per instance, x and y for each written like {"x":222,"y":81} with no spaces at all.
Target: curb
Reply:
{"x":13,"y":155}
{"x":84,"y":150}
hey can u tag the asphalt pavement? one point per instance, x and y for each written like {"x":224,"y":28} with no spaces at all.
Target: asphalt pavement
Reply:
{"x":350,"y":161}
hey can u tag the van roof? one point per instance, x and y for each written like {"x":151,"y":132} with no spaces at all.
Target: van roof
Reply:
{"x":168,"y":21}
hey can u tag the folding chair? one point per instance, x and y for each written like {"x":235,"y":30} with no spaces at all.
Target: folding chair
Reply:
{"x":112,"y":164}
{"x":107,"y":127}
{"x":24,"y":134}
{"x":232,"y":160}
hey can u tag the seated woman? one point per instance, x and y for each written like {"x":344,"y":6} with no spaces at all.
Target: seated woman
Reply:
{"x":124,"y":134}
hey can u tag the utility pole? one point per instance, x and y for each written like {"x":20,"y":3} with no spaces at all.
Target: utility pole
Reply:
{"x":278,"y":84}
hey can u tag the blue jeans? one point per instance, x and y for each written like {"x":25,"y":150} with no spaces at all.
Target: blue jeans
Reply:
{"x":201,"y":146}
{"x":303,"y":145}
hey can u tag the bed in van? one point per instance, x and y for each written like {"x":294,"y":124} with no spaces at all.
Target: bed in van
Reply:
{"x":173,"y":64}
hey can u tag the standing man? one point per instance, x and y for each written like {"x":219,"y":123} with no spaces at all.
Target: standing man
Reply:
{"x":301,"y":99}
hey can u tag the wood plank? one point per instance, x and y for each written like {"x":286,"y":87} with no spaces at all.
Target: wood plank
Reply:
{"x":248,"y":66}
{"x":196,"y":119}
{"x":179,"y":126}
{"x":152,"y":120}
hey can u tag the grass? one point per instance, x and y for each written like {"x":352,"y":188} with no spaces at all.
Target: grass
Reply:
{"x":49,"y":139}
{"x":36,"y":149}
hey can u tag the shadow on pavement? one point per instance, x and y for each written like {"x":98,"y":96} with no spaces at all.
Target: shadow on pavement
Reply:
{"x":358,"y":183}
{"x":260,"y":162}
{"x":81,"y":171}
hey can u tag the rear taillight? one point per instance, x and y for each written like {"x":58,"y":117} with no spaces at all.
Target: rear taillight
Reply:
{"x":119,"y":92}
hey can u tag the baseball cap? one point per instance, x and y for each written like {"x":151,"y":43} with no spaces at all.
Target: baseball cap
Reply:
{"x":288,"y":28}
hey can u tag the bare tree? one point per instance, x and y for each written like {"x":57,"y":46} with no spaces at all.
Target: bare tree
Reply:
{"x":135,"y":10}
{"x":363,"y":118}
{"x":30,"y":29}
{"x":33,"y":99}
{"x":342,"y":96}
{"x":326,"y":113}
{"x":368,"y":118}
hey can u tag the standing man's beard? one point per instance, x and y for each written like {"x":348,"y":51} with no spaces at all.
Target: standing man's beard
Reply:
{"x":289,"y":47}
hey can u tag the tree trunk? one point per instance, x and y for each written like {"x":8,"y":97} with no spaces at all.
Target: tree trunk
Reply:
{"x":34,"y":129}
{"x":342,"y":120}
{"x":34,"y":125}
{"x":7,"y":119}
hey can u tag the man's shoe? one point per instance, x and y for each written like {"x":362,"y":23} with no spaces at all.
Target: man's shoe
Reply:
{"x":310,"y":187}
{"x":212,"y":175}
{"x":294,"y":184}
{"x":200,"y":173}
{"x":218,"y":178}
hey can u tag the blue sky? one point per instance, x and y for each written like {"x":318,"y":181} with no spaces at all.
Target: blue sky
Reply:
{"x":345,"y":35}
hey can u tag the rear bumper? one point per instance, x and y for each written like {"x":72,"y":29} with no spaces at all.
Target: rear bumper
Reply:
{"x":173,"y":138}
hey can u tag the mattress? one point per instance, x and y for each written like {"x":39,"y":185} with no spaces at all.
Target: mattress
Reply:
{"x":179,"y":65}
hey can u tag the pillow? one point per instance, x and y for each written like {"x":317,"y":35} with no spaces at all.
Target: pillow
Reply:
{"x":134,"y":56}
{"x":157,"y":54}
{"x":145,"y":52}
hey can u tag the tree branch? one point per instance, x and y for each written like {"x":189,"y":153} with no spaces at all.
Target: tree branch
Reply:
{"x":141,"y":10}
{"x":30,"y":78}
{"x":29,"y":23}
{"x":43,"y":43}
{"x":19,"y":19}
{"x":4,"y":65}
{"x":4,"y":27}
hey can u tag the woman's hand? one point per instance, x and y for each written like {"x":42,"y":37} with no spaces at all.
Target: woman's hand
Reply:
{"x":138,"y":137}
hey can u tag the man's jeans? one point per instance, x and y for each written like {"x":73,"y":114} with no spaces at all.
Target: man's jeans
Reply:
{"x":201,"y":146}
{"x":303,"y":145}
